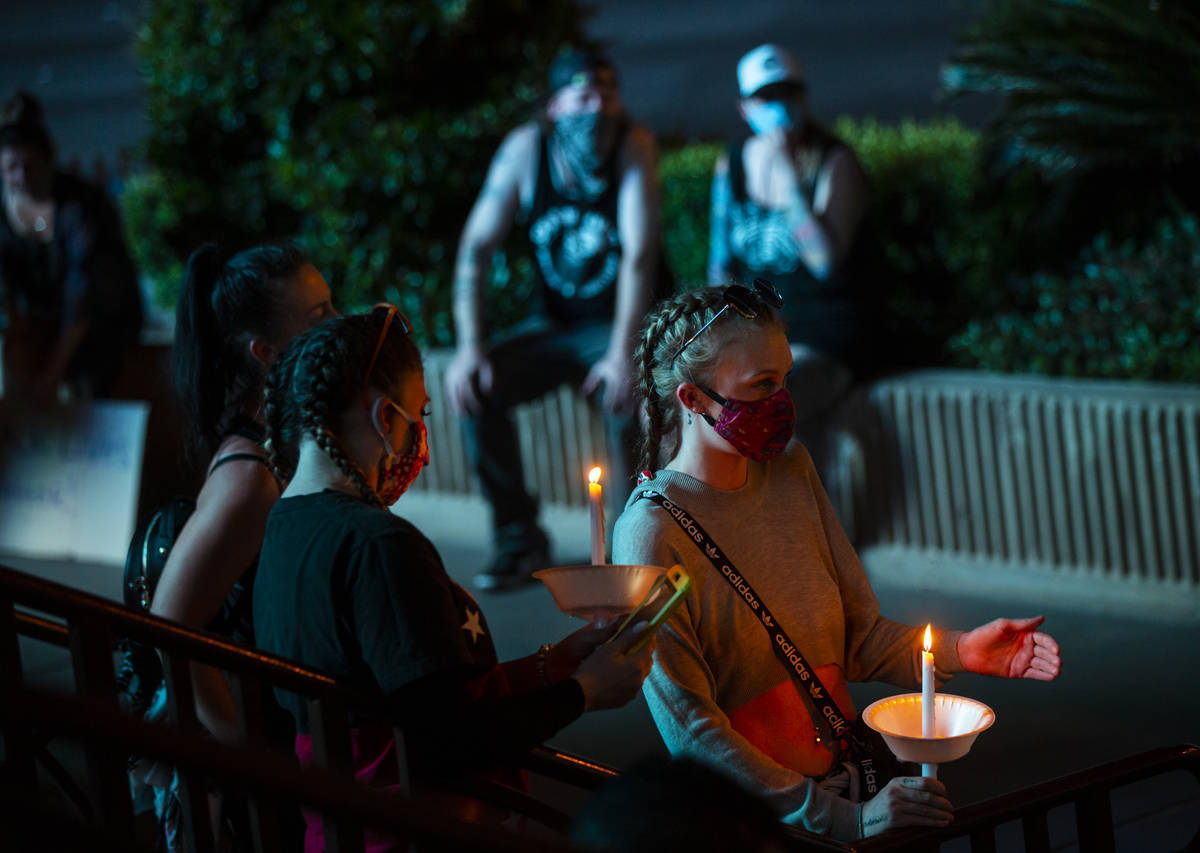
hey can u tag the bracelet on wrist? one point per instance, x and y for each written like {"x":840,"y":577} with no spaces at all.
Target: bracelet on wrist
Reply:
{"x":542,"y":663}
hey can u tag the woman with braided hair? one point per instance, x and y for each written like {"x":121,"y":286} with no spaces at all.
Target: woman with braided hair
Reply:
{"x":349,"y":588}
{"x":713,"y":366}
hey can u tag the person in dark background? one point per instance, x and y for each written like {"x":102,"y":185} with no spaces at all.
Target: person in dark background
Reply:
{"x":70,"y":290}
{"x":582,"y":181}
{"x":788,"y":205}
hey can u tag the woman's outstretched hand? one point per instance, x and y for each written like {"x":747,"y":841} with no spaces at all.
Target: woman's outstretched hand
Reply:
{"x":1010,"y":648}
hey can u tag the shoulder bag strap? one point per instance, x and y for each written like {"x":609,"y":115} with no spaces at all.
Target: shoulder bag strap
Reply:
{"x":821,"y":705}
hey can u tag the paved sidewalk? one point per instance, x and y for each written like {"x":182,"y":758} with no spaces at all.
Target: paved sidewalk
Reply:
{"x":1130,"y":682}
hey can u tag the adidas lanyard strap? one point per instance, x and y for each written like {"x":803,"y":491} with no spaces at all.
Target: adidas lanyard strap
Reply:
{"x":822,"y":707}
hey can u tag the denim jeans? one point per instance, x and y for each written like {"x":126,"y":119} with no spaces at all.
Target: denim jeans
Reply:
{"x":528,"y":362}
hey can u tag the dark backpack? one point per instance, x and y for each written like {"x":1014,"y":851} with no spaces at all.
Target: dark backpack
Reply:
{"x":148,"y":550}
{"x":140,"y":670}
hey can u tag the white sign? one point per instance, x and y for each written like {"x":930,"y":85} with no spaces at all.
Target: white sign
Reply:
{"x":69,"y":480}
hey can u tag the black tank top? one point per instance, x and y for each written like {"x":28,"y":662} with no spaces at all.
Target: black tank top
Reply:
{"x":575,"y":243}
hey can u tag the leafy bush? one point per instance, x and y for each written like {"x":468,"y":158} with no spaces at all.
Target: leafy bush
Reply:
{"x":1098,"y":97}
{"x":685,"y":175}
{"x":361,"y":127}
{"x":1128,"y":310}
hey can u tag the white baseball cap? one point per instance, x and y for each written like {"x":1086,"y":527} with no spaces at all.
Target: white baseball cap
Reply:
{"x":767,"y":64}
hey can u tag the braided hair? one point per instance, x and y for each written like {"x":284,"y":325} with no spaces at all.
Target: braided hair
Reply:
{"x":319,"y":376}
{"x":671,"y":323}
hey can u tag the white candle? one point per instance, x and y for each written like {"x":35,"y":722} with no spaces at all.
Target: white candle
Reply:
{"x":928,"y":698}
{"x":927,"y":687}
{"x":596,"y":503}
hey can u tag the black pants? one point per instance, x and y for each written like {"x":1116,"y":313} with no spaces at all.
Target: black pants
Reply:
{"x":530,"y":361}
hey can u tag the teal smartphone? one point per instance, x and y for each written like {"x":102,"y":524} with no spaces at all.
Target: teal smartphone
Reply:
{"x":680,"y":582}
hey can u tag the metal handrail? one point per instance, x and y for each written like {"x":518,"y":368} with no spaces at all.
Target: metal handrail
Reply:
{"x":200,"y":646}
{"x":978,"y":822}
{"x":554,"y":763}
{"x":106,"y":620}
{"x":1089,"y":788}
{"x":264,"y":771}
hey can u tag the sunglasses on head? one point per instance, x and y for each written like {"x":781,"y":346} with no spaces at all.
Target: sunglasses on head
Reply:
{"x":393,"y":313}
{"x":744,"y":301}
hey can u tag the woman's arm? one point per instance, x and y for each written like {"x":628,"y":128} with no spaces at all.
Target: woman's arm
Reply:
{"x":220,"y":541}
{"x":824,"y":231}
{"x":877,"y":648}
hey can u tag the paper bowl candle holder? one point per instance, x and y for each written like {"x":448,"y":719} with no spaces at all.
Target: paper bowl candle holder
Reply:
{"x":958,"y":721}
{"x":605,"y":591}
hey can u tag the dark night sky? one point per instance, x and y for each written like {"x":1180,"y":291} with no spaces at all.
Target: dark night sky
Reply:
{"x":677,"y":59}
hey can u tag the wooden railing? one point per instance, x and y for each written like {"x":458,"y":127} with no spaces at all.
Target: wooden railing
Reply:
{"x":267,"y":777}
{"x":90,"y":625}
{"x":1088,"y":792}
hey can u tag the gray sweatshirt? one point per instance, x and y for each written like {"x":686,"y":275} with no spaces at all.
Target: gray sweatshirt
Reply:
{"x":714,"y":661}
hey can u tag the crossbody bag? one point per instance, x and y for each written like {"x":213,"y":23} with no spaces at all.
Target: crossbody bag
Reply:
{"x":851,"y":739}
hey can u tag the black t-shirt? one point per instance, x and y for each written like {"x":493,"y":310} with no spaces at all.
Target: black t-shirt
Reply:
{"x":360,"y":593}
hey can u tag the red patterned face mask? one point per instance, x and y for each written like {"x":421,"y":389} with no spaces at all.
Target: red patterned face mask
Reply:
{"x":398,"y":471}
{"x":757,"y":429}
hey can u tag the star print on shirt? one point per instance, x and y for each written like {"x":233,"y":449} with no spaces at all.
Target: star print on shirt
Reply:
{"x":472,"y":625}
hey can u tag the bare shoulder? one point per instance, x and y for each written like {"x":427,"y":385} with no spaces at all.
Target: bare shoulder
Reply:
{"x":842,"y":161}
{"x":244,"y":480}
{"x":519,"y":146}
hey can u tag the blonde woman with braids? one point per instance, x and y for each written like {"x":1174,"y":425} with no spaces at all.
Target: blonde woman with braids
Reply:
{"x":349,"y":588}
{"x":719,"y":420}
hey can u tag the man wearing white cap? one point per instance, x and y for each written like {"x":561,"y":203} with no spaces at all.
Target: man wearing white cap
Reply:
{"x":788,"y":205}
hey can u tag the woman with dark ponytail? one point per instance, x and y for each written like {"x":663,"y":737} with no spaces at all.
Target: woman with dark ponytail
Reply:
{"x":719,"y":451}
{"x":349,"y":588}
{"x":235,"y":316}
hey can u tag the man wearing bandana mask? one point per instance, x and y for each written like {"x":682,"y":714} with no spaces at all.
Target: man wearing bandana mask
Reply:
{"x":789,"y":205}
{"x":581,"y":181}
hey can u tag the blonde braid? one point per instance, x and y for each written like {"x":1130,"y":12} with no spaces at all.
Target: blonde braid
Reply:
{"x":672,"y":323}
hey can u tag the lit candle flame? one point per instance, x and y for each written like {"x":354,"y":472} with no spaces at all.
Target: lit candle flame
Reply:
{"x":594,"y":474}
{"x":928,"y":637}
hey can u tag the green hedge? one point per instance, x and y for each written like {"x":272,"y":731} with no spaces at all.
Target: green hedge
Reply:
{"x":1128,"y":310}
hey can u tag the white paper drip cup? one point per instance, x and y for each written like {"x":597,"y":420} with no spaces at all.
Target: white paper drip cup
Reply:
{"x":593,"y":592}
{"x":958,"y":721}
